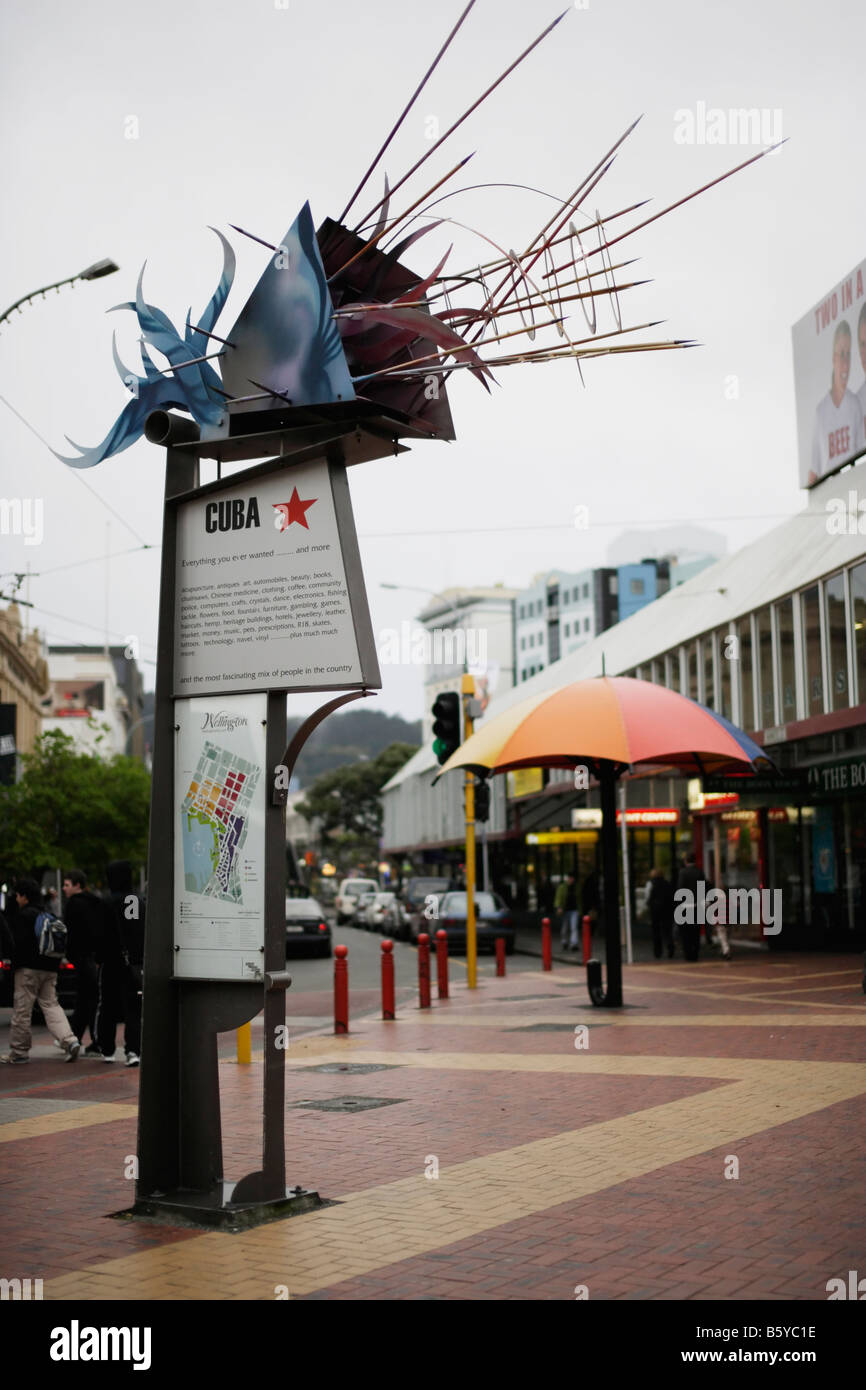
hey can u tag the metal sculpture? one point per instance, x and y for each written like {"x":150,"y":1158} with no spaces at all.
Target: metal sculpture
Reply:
{"x":338,"y":318}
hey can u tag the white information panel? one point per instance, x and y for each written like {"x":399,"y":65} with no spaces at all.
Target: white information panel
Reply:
{"x":261,"y":596}
{"x":220,"y":789}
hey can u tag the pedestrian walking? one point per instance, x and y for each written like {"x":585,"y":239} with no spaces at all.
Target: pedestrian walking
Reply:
{"x":35,"y":982}
{"x":85,"y":918}
{"x":690,"y":932}
{"x":565,"y":902}
{"x":660,"y":901}
{"x":120,"y":969}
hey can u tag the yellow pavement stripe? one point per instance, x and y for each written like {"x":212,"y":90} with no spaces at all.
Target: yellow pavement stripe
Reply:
{"x":759,"y":998}
{"x":381,"y":1226}
{"x":66,"y":1119}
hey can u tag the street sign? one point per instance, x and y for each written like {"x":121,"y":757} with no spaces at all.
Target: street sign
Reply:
{"x":219,"y":843}
{"x":264,"y":597}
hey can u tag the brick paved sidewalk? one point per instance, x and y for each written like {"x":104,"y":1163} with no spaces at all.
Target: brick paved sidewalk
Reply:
{"x":567,"y":1160}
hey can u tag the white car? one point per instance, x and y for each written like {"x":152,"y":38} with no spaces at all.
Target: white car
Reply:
{"x":350,"y":895}
{"x":383,"y":913}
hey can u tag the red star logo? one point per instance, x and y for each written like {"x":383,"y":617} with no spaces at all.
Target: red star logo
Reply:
{"x":293,"y":510}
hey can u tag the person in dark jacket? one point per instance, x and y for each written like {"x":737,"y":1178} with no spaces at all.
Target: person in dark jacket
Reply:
{"x":690,"y":932}
{"x":120,"y":971}
{"x":85,"y":918}
{"x":661,"y":911}
{"x":35,"y":982}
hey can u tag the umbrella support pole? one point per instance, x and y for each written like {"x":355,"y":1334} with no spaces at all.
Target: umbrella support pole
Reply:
{"x":611,"y":997}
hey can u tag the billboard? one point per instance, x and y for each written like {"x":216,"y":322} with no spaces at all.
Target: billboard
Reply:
{"x":830,"y":379}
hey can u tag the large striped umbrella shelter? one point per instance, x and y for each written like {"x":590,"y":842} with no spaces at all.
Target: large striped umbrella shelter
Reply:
{"x":609,"y":724}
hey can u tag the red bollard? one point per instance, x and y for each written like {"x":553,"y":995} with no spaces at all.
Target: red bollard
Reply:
{"x":423,"y":971}
{"x":388,"y":980}
{"x":500,"y":955}
{"x":442,"y":962}
{"x":546,"y":947}
{"x":341,"y":989}
{"x":587,"y":938}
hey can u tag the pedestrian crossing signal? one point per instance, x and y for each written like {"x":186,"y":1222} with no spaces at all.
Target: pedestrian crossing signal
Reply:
{"x":446,"y":725}
{"x":482,"y":801}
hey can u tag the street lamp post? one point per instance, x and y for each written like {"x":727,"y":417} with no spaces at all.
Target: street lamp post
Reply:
{"x":92,"y":272}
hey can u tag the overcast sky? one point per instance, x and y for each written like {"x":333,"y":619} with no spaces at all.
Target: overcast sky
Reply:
{"x":243,"y":109}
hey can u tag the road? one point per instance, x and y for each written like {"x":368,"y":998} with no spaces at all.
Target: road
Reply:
{"x":310,"y":1001}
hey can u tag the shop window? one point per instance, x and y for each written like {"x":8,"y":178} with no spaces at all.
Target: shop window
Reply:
{"x":764,"y":656}
{"x":747,"y":704}
{"x":834,"y":616}
{"x":858,"y":613}
{"x":811,"y":620}
{"x":787,"y":663}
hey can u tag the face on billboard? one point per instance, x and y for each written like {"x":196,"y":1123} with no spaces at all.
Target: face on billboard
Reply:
{"x":830,"y":380}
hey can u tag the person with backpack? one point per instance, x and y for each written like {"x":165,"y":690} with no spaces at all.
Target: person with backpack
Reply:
{"x":38,"y":943}
{"x":120,"y":969}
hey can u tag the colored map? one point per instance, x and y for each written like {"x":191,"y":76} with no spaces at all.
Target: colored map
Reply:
{"x":215,"y":820}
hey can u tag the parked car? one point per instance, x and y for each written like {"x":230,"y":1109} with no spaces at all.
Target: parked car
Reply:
{"x":307,"y":932}
{"x":492,"y":919}
{"x":417,"y":890}
{"x":384,"y":912}
{"x":350,"y":895}
{"x":426,"y":918}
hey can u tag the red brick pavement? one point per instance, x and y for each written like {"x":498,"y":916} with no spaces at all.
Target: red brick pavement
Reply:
{"x":792,"y":1221}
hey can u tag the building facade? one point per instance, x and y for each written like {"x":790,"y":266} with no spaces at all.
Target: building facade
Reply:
{"x":24,"y":686}
{"x":97,"y":697}
{"x":774,"y":639}
{"x":561,"y":611}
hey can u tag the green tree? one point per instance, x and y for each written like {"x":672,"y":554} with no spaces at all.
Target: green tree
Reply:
{"x":348,"y":804}
{"x":73,"y":809}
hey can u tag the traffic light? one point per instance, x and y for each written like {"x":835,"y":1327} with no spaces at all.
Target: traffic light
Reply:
{"x":446,"y":725}
{"x":482,"y":801}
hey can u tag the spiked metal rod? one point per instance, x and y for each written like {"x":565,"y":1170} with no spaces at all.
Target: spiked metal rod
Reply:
{"x":396,"y":220}
{"x":178,"y":366}
{"x":570,"y":205}
{"x":450,"y":351}
{"x":502,"y":262}
{"x":544,"y":246}
{"x":406,"y":109}
{"x":459,"y":122}
{"x":252,"y":237}
{"x":689,"y":196}
{"x":216,"y":337}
